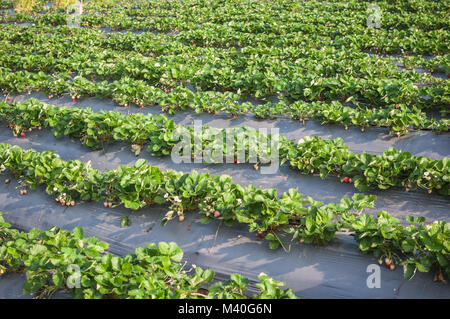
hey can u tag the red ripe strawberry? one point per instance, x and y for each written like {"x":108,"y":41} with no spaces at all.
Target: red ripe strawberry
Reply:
{"x":216,"y":214}
{"x":7,"y":126}
{"x":215,"y":112}
{"x":74,"y":99}
{"x":22,"y":134}
{"x":388,"y":266}
{"x":141,"y":106}
{"x":379,"y":53}
{"x":63,"y":203}
{"x":53,"y":24}
{"x":235,"y":161}
{"x":9,"y":99}
{"x":346,"y":179}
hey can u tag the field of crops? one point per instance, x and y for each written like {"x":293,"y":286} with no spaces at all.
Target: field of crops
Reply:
{"x":225,"y":148}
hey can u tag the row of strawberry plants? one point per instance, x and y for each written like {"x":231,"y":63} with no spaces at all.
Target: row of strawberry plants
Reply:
{"x":163,"y":44}
{"x":397,"y":117}
{"x":417,"y":246}
{"x":170,"y":69}
{"x":181,"y":17}
{"x":309,"y":155}
{"x":165,"y":23}
{"x":127,"y":90}
{"x":435,"y":64}
{"x":364,"y":79}
{"x":286,"y":11}
{"x":242,"y":74}
{"x":207,"y":38}
{"x":142,"y":185}
{"x":33,"y":55}
{"x":351,"y":26}
{"x":48,"y":257}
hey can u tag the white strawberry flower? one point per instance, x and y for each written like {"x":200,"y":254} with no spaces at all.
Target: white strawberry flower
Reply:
{"x":303,"y":140}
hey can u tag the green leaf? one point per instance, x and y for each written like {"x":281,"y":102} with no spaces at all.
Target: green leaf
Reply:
{"x":409,"y":270}
{"x":240,"y":281}
{"x":139,"y":163}
{"x":35,"y":250}
{"x":164,"y":248}
{"x":125,"y":221}
{"x":206,"y":220}
{"x":274,"y":244}
{"x":208,"y":275}
{"x":159,"y":200}
{"x":58,"y":279}
{"x":91,"y":252}
{"x":132,"y":204}
{"x":78,"y":232}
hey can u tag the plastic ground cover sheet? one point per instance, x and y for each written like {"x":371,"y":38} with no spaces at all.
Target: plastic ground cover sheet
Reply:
{"x":337,"y":270}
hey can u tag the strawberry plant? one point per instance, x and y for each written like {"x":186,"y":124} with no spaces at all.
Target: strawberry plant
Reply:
{"x":153,"y":271}
{"x":416,"y":247}
{"x":310,"y":155}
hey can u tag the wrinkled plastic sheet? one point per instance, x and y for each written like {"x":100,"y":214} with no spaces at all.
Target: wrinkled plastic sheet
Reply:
{"x":337,"y":270}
